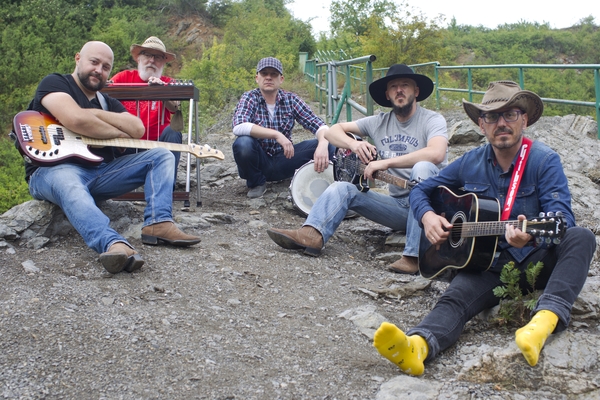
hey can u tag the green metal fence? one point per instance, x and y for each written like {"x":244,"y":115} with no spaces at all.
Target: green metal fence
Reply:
{"x":358,"y":74}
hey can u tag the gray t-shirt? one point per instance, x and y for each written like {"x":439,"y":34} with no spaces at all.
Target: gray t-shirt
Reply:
{"x":394,"y":138}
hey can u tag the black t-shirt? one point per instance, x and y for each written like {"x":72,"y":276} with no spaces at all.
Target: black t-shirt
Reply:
{"x":65,"y":83}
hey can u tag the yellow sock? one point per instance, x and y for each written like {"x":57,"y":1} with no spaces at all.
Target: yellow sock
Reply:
{"x":407,"y":352}
{"x":531,"y":337}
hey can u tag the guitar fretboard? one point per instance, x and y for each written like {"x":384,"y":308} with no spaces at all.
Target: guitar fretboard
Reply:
{"x":379,"y":175}
{"x":489,"y":228}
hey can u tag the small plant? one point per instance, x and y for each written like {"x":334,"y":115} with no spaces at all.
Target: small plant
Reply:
{"x":514,"y":305}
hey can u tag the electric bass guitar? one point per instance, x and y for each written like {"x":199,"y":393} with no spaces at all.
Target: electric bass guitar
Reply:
{"x":474,"y":234}
{"x":347,"y":167}
{"x":43,"y":141}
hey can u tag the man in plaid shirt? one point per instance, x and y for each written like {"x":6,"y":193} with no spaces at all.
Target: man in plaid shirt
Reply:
{"x":263,"y":122}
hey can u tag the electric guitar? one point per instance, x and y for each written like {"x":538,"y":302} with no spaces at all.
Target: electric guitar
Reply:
{"x":43,"y":141}
{"x":474,"y":235}
{"x":347,"y":167}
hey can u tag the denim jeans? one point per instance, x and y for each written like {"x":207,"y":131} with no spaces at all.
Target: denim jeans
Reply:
{"x":331,"y":207}
{"x":257,"y":167}
{"x":563,"y":275}
{"x":168,"y":135}
{"x":76,"y":189}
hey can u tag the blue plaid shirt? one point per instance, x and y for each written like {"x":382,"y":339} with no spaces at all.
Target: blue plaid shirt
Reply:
{"x":289,"y":107}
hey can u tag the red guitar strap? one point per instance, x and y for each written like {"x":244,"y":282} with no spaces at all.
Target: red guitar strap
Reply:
{"x":516,"y":178}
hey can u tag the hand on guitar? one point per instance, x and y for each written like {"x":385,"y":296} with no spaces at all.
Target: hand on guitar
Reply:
{"x":364,"y":150}
{"x":515,"y":237}
{"x":372,"y":167}
{"x":436,"y":227}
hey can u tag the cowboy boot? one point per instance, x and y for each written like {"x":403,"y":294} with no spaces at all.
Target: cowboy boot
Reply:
{"x":121,"y":257}
{"x":406,"y":265}
{"x":307,"y":238}
{"x":169,"y":233}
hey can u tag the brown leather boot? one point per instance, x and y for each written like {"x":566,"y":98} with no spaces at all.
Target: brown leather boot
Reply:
{"x":169,"y":233}
{"x":307,"y":238}
{"x":405,"y":265}
{"x":121,"y":257}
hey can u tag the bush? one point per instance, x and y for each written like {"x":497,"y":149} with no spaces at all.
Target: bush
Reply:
{"x":13,"y":188}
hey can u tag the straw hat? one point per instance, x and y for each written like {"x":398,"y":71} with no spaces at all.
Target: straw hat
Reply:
{"x":504,"y":95}
{"x":152,"y":43}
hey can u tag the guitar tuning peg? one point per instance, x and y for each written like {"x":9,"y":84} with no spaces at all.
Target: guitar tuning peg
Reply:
{"x":541,"y":215}
{"x":543,"y":232}
{"x":533,"y":232}
{"x":548,"y":240}
{"x":550,"y":214}
{"x":559,"y":214}
{"x":556,"y":240}
{"x":538,"y":240}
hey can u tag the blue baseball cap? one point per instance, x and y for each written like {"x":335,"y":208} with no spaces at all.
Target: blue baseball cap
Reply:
{"x":270,"y":62}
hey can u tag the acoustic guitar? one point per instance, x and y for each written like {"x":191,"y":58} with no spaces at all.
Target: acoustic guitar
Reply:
{"x":475,"y":231}
{"x":43,"y":141}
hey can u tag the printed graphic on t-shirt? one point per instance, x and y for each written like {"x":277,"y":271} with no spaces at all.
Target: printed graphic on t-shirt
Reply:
{"x":397,"y":145}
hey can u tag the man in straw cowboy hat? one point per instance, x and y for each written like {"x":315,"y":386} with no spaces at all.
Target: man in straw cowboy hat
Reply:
{"x":410,"y":141}
{"x":151,"y":57}
{"x":263,"y":122}
{"x":510,"y":166}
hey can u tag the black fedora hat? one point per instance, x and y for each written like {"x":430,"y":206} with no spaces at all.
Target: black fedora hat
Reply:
{"x":378,"y":88}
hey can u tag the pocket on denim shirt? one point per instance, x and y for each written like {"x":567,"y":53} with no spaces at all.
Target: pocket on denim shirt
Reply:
{"x":480,"y":189}
{"x":527,"y":202}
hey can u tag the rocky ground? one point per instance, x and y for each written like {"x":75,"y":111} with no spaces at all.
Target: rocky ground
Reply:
{"x":237,"y":317}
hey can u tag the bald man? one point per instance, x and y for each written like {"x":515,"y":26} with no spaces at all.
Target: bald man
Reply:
{"x":74,"y":100}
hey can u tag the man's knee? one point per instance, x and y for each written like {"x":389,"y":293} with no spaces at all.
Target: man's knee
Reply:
{"x":169,"y":135}
{"x":243,"y":146}
{"x":423,"y":170}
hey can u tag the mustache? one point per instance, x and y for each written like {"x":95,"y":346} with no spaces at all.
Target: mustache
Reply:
{"x":503,"y":129}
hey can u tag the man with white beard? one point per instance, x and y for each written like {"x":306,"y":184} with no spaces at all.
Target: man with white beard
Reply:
{"x":151,"y":57}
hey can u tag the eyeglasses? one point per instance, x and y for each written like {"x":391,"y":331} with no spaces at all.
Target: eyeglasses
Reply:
{"x":509,"y":116}
{"x":157,"y":57}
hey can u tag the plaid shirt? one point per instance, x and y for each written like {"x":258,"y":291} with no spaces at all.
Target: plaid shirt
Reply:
{"x":289,"y":107}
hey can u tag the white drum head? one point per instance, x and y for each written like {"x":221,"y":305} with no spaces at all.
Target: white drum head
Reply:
{"x":307,"y":185}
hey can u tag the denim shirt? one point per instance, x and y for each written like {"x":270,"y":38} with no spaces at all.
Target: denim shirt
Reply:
{"x":543,"y":187}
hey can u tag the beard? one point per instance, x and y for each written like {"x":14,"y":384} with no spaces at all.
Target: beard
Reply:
{"x":149,"y":71}
{"x":404,"y":111}
{"x":506,"y":142}
{"x":85,"y":81}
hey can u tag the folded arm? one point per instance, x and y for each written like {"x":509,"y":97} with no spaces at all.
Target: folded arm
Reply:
{"x":92,"y":122}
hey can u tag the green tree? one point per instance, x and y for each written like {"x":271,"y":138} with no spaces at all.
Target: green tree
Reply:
{"x":408,"y":39}
{"x":353,"y":15}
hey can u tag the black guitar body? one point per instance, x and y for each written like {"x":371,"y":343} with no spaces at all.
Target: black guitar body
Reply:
{"x":346,"y":167}
{"x":458,"y":252}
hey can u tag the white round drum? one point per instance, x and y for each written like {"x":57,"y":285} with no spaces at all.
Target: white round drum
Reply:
{"x":307,"y":185}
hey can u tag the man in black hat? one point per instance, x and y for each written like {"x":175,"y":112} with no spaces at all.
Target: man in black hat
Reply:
{"x":410,"y":142}
{"x":527,"y":178}
{"x":263,"y":122}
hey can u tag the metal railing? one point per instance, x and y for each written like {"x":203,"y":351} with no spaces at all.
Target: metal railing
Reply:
{"x":325,"y":76}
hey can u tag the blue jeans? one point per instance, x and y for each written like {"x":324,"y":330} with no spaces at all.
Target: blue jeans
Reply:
{"x":257,"y":167}
{"x":331,"y":207}
{"x":168,"y":135}
{"x":76,"y":189}
{"x":565,"y":271}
